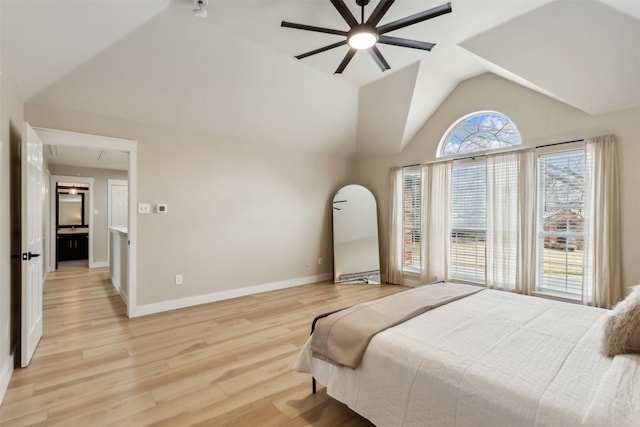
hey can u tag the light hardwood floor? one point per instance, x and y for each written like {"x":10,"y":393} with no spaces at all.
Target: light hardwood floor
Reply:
{"x":225,"y":363}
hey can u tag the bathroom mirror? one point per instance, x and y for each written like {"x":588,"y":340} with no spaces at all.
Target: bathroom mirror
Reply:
{"x":70,"y":209}
{"x":355,"y":236}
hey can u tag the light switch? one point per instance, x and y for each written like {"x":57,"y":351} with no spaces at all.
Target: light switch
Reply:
{"x":144,"y":208}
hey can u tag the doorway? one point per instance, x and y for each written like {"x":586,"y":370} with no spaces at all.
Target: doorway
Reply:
{"x":72,"y":232}
{"x":103,"y":145}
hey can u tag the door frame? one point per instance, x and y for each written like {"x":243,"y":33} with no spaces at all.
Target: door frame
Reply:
{"x":46,"y":226}
{"x":110,"y":182}
{"x":61,"y":137}
{"x":53,"y":232}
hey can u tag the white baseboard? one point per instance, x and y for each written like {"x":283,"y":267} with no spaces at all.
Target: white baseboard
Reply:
{"x":5,"y":376}
{"x":124,"y":296}
{"x":99,"y":264}
{"x":116,"y":286}
{"x":143,"y":310}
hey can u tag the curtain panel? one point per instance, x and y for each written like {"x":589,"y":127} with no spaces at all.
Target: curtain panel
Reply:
{"x":511,"y":207}
{"x":527,"y":208}
{"x":501,"y":242}
{"x":395,"y":252}
{"x":601,"y":282}
{"x":436,"y":221}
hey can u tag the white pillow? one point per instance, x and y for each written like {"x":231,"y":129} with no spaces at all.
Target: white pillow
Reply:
{"x":622,"y":330}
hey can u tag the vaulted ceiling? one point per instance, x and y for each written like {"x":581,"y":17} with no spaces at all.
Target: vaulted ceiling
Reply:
{"x":233,"y":74}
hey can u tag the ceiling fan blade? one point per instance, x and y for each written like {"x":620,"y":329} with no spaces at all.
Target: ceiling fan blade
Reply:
{"x":377,"y":56}
{"x":414,"y":19}
{"x":322,"y":49}
{"x":379,"y":12}
{"x":414,"y":44}
{"x":345,"y":61}
{"x":345,"y":12}
{"x":312,"y":28}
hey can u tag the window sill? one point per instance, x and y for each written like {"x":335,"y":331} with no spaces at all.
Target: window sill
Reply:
{"x":558,"y":296}
{"x":411,"y":273}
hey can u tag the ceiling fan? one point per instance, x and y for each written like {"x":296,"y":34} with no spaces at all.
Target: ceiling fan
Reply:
{"x":365,"y":35}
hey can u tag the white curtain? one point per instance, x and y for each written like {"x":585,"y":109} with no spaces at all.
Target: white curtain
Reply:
{"x":527,"y":205}
{"x":501,"y":243}
{"x":436,"y":221}
{"x":601,"y":284}
{"x":394,"y":255}
{"x":510,"y":234}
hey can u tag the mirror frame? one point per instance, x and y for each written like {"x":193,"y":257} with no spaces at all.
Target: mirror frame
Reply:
{"x":58,"y":225}
{"x":363,"y":266}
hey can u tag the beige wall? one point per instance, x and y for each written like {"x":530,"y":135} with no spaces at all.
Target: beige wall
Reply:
{"x":541,"y":120}
{"x":10,"y":131}
{"x":238,"y":215}
{"x":100,"y":201}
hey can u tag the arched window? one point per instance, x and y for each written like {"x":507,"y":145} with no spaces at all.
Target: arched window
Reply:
{"x":484,"y":130}
{"x":483,"y":195}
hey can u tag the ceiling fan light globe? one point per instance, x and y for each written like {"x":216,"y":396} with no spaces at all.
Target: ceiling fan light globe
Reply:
{"x":362,"y":40}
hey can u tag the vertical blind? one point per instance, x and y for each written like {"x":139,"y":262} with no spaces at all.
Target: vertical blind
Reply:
{"x":468,"y":221}
{"x":560,"y":245}
{"x":411,"y":212}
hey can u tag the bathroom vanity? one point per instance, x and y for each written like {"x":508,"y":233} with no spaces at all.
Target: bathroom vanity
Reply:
{"x":73,"y":243}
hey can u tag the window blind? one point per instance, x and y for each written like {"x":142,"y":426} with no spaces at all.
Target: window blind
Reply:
{"x":560,"y":243}
{"x":468,"y":221}
{"x":412,"y":210}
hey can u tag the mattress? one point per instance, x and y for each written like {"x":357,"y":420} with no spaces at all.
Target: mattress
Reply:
{"x":490,"y":359}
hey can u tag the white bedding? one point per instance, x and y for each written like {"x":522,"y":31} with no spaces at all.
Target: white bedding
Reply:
{"x":490,"y":359}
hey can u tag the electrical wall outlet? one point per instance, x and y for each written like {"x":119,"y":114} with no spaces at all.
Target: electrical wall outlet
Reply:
{"x":144,"y":208}
{"x":178,"y":279}
{"x":319,"y":260}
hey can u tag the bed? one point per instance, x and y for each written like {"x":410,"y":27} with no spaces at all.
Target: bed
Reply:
{"x":492,"y":358}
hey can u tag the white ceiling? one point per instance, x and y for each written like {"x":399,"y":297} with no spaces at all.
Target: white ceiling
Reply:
{"x":587,"y":57}
{"x":234,"y":75}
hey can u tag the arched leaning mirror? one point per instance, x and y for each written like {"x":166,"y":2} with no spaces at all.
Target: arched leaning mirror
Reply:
{"x":355,"y":236}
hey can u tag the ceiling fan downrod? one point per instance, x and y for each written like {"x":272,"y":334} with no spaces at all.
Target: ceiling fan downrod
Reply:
{"x":362,"y":4}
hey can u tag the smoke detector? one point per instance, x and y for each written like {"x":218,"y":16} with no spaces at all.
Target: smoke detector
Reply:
{"x":200,"y":11}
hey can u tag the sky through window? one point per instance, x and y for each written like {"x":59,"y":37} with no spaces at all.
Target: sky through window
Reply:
{"x":480,"y":132}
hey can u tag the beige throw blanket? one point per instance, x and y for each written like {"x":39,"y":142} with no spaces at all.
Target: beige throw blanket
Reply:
{"x":343,"y":337}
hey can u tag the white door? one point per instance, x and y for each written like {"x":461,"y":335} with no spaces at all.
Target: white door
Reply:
{"x":118,"y":195}
{"x":32,"y":271}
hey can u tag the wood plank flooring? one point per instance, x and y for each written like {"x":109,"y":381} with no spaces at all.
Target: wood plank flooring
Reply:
{"x":222,"y":364}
